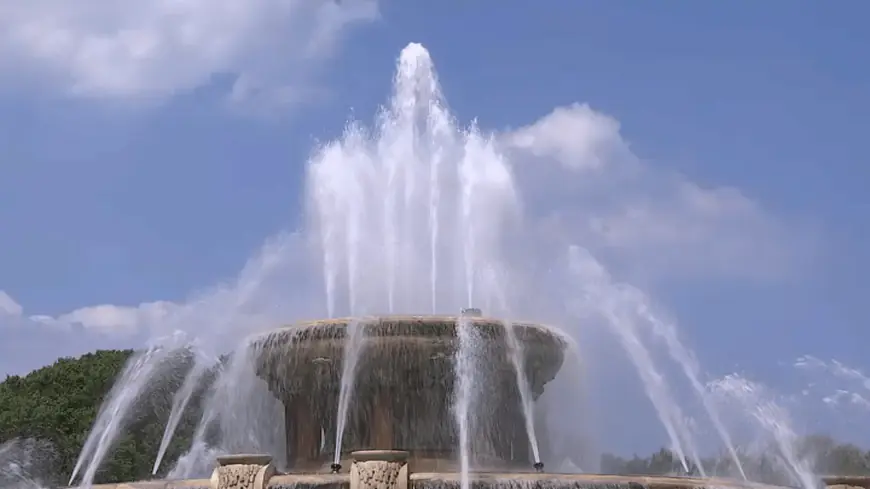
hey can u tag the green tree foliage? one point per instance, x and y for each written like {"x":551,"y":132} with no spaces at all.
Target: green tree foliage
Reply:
{"x":59,"y":404}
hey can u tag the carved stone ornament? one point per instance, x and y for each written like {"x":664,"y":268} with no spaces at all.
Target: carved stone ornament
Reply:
{"x":245,"y":471}
{"x":379,"y":469}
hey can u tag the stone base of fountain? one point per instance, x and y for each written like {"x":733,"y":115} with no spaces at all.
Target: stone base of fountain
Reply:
{"x":389,"y":469}
{"x":404,"y":387}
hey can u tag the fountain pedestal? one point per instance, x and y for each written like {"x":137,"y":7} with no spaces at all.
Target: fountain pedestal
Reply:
{"x":379,"y":469}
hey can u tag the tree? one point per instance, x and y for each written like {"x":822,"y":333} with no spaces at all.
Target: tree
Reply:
{"x":823,"y":455}
{"x":58,"y":404}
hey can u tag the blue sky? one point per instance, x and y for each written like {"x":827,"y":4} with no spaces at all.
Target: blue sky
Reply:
{"x":137,"y":167}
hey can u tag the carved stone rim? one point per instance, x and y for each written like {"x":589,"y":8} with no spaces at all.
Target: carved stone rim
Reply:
{"x":244,"y":459}
{"x":380,"y":455}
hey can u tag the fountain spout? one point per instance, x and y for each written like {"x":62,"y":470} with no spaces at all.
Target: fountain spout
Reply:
{"x":539,"y":467}
{"x":336,"y":468}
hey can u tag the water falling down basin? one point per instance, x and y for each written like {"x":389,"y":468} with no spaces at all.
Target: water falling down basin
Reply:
{"x":404,"y":386}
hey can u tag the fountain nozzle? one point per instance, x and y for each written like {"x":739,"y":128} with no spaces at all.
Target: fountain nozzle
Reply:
{"x":336,"y":467}
{"x":471,"y":312}
{"x":539,"y":466}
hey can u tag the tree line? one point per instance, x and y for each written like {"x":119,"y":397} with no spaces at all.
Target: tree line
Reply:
{"x":818,"y":454}
{"x":51,"y":410}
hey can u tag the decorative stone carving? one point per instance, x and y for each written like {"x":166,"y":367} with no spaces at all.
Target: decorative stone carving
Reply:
{"x":245,"y":471}
{"x":379,"y":469}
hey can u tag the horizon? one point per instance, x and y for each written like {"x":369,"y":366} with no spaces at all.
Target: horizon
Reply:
{"x":140,"y":188}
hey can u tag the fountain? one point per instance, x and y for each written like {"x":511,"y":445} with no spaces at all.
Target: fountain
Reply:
{"x":405,"y":383}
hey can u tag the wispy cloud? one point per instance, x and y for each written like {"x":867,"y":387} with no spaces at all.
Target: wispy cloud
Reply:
{"x":644,"y":217}
{"x":110,"y":49}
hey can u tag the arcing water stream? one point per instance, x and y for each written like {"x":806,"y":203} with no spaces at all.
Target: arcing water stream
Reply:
{"x":626,"y":306}
{"x":516,"y":355}
{"x":772,"y":420}
{"x":594,"y":284}
{"x":414,"y":214}
{"x":145,"y":370}
{"x":23,"y":463}
{"x":180,"y":401}
{"x":353,"y":348}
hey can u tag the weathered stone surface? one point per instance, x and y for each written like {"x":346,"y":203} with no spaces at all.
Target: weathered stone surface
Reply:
{"x":492,"y":480}
{"x":847,"y":481}
{"x":244,"y":459}
{"x":237,"y":472}
{"x":310,"y":481}
{"x":379,"y":469}
{"x":236,"y":476}
{"x":575,"y":481}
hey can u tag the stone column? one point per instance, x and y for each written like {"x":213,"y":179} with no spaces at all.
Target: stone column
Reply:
{"x":244,"y":471}
{"x":382,"y":421}
{"x":379,"y":469}
{"x":302,"y":433}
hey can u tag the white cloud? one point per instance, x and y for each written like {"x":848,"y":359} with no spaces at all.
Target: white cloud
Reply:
{"x":576,"y":136}
{"x":29,"y":342}
{"x":652,"y":221}
{"x":111,"y":319}
{"x":151,"y":50}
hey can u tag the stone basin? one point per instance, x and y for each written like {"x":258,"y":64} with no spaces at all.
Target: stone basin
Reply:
{"x":403,"y":386}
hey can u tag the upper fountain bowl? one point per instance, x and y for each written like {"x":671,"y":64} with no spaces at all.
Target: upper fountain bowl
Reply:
{"x":403,"y":384}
